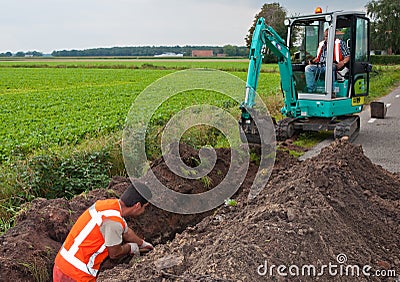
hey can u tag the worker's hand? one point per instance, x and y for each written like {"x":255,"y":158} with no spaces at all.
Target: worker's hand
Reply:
{"x":146,"y":246}
{"x":312,"y":62}
{"x":340,"y":65}
{"x":134,"y":249}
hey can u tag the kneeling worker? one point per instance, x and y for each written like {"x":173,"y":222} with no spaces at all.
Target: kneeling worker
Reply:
{"x":99,"y":232}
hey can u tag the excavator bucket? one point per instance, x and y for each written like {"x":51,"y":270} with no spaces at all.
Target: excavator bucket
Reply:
{"x":257,"y":129}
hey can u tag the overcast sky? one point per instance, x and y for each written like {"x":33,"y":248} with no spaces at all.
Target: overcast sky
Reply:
{"x":48,"y":25}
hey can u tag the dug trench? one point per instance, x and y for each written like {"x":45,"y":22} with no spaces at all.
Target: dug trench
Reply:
{"x":337,"y":208}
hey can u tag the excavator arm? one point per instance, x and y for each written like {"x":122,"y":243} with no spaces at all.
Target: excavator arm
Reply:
{"x":264,"y":37}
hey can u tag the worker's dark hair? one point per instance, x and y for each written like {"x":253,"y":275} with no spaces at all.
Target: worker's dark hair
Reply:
{"x":131,"y":196}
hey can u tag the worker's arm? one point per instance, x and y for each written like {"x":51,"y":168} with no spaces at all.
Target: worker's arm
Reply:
{"x":342,"y":63}
{"x":114,"y":235}
{"x":130,"y":236}
{"x":134,"y":245}
{"x":118,"y":251}
{"x":346,"y":55}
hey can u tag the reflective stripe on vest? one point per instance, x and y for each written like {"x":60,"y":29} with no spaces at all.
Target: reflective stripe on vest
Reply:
{"x":70,"y":255}
{"x":319,"y":51}
{"x":338,"y":54}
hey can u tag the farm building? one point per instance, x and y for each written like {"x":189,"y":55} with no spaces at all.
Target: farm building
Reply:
{"x":202,"y":53}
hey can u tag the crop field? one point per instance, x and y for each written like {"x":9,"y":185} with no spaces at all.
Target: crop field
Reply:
{"x":221,"y":64}
{"x":47,"y":104}
{"x":44,"y":107}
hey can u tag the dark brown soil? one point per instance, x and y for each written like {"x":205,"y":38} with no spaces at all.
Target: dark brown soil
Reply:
{"x":310,"y":212}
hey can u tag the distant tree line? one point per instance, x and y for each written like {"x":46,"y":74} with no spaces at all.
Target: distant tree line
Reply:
{"x":228,"y":50}
{"x":22,"y":54}
{"x":7,"y":54}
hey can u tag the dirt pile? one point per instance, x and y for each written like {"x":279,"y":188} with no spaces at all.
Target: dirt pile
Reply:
{"x":337,"y":209}
{"x":335,"y":203}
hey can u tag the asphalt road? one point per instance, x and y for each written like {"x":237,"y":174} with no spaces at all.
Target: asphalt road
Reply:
{"x":380,"y":138}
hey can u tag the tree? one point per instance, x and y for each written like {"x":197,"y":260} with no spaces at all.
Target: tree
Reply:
{"x":34,"y":53}
{"x":230,"y":50}
{"x":20,"y":54}
{"x":274,"y":15}
{"x":385,"y":17}
{"x":7,"y":54}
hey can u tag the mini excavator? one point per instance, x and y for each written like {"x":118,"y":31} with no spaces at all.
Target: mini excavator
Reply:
{"x":338,"y":95}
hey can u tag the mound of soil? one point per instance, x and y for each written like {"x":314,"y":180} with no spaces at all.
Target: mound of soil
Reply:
{"x":336,"y":208}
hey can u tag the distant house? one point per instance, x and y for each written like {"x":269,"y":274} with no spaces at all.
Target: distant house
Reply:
{"x":169,"y":55}
{"x":202,"y":53}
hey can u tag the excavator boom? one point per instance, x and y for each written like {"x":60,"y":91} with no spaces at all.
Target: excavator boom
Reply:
{"x":266,"y":37}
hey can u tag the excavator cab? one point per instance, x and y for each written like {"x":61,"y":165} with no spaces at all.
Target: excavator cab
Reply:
{"x":304,"y":35}
{"x":337,"y":94}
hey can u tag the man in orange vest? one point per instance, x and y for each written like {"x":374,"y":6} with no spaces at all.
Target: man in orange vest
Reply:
{"x":99,"y":232}
{"x":341,"y":57}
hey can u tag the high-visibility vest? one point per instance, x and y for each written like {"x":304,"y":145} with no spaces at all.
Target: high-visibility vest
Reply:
{"x":337,"y":54}
{"x":83,"y":250}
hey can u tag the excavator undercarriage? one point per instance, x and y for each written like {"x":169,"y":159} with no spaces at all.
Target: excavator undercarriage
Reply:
{"x":288,"y":127}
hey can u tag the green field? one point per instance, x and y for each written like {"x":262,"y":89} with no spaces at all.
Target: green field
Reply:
{"x":45,"y":106}
{"x":61,"y":120}
{"x":173,"y":64}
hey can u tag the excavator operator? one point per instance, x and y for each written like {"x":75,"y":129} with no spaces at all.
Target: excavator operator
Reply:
{"x":316,"y":66}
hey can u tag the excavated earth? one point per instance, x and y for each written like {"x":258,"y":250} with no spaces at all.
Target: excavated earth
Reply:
{"x":336,"y":212}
